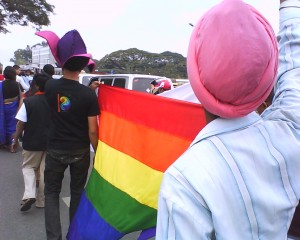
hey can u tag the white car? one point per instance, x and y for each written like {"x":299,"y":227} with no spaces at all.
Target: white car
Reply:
{"x":84,"y":78}
{"x":137,"y":82}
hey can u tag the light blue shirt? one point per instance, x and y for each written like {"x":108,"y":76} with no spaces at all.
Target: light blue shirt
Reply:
{"x":240,"y":178}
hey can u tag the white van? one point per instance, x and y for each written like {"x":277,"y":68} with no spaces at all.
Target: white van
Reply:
{"x":84,"y":78}
{"x":137,"y":82}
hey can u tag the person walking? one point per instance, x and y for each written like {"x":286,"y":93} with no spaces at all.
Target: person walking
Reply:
{"x":49,"y":69}
{"x":239,"y":179}
{"x":27,"y":77}
{"x":1,"y":73}
{"x":10,"y":97}
{"x":33,"y":121}
{"x":20,"y":80}
{"x":74,"y":109}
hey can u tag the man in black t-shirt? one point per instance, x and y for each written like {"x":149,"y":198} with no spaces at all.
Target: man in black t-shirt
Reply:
{"x":73,"y":126}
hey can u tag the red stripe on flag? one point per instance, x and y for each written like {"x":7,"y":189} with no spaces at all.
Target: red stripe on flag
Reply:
{"x":163,"y":114}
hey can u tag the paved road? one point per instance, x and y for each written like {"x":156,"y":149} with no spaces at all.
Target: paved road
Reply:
{"x":17,"y":225}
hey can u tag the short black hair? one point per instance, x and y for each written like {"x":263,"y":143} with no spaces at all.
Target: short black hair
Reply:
{"x":93,"y":79}
{"x":10,"y":73}
{"x":40,"y":80}
{"x":76,"y":63}
{"x":49,"y":69}
{"x":154,"y":83}
{"x":16,"y":66}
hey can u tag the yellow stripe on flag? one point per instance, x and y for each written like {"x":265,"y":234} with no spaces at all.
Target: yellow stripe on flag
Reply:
{"x":128,"y":174}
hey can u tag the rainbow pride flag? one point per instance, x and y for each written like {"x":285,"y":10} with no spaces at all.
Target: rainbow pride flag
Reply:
{"x":140,"y":136}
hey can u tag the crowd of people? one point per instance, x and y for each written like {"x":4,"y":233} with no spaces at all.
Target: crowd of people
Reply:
{"x":17,"y":86}
{"x":239,"y":179}
{"x":56,"y":129}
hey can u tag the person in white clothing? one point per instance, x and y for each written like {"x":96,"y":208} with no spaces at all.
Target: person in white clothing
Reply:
{"x":27,"y":77}
{"x":239,"y":179}
{"x":20,"y":80}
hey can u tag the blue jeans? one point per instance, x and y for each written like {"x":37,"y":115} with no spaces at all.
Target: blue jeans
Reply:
{"x":56,"y":163}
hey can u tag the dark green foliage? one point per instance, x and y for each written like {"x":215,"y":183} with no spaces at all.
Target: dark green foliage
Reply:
{"x":22,"y":56}
{"x":169,"y":64}
{"x":24,"y":12}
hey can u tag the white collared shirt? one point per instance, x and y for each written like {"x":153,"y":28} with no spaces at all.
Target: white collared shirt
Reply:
{"x":21,"y":81}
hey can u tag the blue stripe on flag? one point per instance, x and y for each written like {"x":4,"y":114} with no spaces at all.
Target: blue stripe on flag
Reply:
{"x":87,"y":224}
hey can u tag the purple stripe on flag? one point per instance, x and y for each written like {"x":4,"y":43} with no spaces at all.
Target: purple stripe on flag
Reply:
{"x":147,"y":233}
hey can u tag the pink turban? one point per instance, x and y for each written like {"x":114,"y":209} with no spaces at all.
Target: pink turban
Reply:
{"x":232,"y":59}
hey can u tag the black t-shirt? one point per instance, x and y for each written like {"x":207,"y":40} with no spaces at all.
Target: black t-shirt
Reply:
{"x":10,"y":89}
{"x":70,"y":104}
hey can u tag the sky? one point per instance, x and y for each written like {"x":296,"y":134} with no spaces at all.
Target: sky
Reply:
{"x":111,"y":25}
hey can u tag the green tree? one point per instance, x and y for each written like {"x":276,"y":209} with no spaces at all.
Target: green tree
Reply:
{"x":22,"y":56}
{"x":24,"y":13}
{"x":168,"y":64}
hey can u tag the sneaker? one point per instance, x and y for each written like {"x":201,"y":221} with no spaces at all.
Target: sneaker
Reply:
{"x":39,"y":204}
{"x":26,"y":204}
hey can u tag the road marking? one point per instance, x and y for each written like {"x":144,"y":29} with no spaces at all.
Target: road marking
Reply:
{"x":66,"y":201}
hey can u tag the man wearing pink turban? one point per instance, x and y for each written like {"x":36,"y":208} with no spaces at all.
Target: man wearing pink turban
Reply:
{"x":240,"y":178}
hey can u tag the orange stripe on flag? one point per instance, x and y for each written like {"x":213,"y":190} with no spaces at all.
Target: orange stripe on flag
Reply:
{"x":158,"y":153}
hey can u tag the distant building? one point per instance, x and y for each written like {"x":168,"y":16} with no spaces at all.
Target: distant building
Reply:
{"x":41,"y":55}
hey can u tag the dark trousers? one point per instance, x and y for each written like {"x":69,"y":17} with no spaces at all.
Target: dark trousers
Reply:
{"x":56,"y":163}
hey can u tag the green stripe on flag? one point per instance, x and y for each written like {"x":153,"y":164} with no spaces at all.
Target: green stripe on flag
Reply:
{"x":118,"y":208}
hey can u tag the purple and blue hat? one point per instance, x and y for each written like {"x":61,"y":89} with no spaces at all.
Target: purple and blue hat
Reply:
{"x":69,"y":51}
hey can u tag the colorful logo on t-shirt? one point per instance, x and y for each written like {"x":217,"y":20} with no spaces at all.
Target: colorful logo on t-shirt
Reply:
{"x":64,"y":103}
